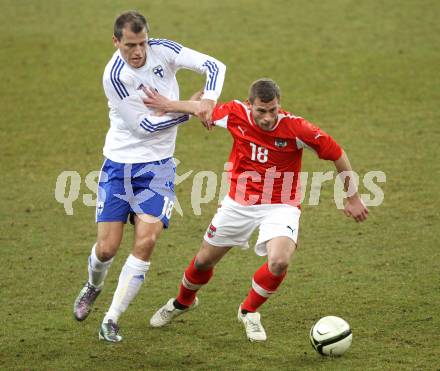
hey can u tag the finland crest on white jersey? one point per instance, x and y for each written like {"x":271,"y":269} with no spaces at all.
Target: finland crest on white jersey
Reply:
{"x":136,"y":134}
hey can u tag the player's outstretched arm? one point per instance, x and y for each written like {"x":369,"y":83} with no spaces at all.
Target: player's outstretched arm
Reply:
{"x":214,"y":70}
{"x":162,"y":104}
{"x":354,"y":206}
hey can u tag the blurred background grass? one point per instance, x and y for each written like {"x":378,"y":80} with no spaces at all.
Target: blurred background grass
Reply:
{"x":365,"y":71}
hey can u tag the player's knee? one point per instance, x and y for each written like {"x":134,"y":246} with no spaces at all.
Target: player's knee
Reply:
{"x":278,"y":266}
{"x":203,"y":263}
{"x":146,"y":242}
{"x":106,"y":250}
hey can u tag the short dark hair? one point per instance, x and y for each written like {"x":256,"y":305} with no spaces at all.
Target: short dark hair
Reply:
{"x":265,"y":89}
{"x":134,"y":19}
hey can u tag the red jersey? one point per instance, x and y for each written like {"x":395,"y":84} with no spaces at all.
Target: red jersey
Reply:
{"x":266,"y":164}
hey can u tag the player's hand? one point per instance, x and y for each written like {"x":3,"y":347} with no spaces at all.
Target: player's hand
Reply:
{"x":206,"y":108}
{"x":355,"y":208}
{"x":155,"y":101}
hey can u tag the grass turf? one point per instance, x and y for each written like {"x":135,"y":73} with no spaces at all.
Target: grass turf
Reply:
{"x":367,"y":72}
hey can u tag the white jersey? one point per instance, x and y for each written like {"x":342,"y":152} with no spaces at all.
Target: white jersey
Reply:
{"x":136,"y":135}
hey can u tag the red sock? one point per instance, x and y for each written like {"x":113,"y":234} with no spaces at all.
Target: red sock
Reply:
{"x":192,"y":281}
{"x":264,"y":284}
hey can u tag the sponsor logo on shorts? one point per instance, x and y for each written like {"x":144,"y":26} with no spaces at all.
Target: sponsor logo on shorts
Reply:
{"x":291,"y":229}
{"x":99,"y":207}
{"x":211,"y":231}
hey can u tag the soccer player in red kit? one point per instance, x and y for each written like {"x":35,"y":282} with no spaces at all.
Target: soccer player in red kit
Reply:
{"x":264,"y":193}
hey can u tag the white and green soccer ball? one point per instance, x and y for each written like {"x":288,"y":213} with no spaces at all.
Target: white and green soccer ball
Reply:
{"x":331,"y":336}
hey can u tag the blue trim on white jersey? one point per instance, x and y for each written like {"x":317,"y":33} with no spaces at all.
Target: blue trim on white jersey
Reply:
{"x":166,"y":43}
{"x":115,"y":85}
{"x":119,"y":79}
{"x":115,"y":77}
{"x":213,"y":73}
{"x":151,"y":127}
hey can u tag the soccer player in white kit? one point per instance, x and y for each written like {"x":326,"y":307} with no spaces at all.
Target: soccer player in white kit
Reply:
{"x":137,"y":177}
{"x":264,"y":193}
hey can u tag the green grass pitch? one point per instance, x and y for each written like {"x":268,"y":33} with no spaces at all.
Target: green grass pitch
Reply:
{"x":368,"y":72}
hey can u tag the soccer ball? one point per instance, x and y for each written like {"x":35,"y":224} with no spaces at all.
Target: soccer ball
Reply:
{"x":331,"y":336}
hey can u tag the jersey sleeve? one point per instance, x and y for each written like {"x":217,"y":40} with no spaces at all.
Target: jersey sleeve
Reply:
{"x":127,"y":101}
{"x":221,"y":112}
{"x":213,"y":69}
{"x":312,"y":137}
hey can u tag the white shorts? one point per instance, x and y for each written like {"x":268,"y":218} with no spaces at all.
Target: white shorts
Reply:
{"x":234,"y":223}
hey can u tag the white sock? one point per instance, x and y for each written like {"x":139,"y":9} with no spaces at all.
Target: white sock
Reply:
{"x":97,"y":269}
{"x":130,"y":281}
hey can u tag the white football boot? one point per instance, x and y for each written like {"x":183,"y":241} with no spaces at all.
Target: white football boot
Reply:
{"x":252,"y":324}
{"x":165,"y":314}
